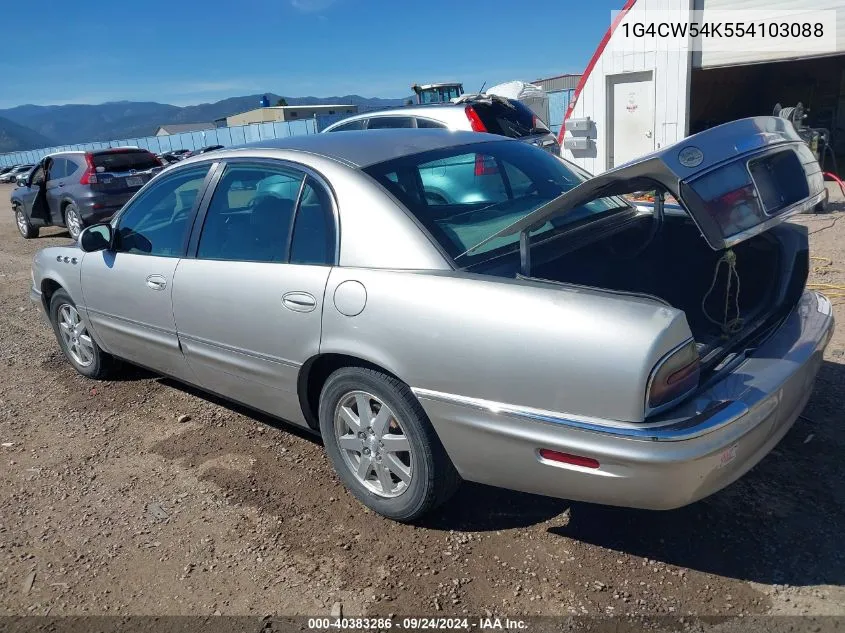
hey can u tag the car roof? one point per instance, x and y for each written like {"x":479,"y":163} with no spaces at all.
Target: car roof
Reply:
{"x":362,"y":148}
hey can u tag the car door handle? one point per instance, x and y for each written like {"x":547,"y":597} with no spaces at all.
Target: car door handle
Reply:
{"x":156,"y":282}
{"x":299,"y":301}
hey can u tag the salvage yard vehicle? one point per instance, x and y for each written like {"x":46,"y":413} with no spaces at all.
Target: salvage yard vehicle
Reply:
{"x":13,"y":174}
{"x":471,"y":112}
{"x":75,"y":189}
{"x":555,"y":339}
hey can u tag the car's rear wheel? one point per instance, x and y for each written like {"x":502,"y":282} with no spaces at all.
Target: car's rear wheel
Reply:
{"x":77,"y":344}
{"x":382,"y":445}
{"x":73,"y":221}
{"x":24,"y":226}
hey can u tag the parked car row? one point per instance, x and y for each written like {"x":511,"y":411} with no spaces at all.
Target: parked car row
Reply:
{"x":11,"y":174}
{"x":174,"y":156}
{"x":442,"y":305}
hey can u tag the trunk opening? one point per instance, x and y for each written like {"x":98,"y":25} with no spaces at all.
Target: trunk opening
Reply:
{"x":678,"y":267}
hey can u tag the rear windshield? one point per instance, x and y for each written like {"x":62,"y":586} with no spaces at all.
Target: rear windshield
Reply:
{"x":140,"y":160}
{"x":465,"y":194}
{"x":509,"y":118}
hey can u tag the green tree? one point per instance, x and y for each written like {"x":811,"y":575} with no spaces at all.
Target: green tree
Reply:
{"x":281,"y":102}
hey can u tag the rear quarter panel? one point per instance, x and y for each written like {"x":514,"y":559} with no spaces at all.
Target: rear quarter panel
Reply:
{"x":517,"y":342}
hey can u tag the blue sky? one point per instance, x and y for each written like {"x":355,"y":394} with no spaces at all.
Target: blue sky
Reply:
{"x":187,"y":51}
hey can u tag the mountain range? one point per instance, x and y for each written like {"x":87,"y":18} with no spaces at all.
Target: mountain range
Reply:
{"x":33,"y":127}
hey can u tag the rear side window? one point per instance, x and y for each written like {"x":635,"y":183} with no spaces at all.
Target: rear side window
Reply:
{"x":390,"y":122}
{"x":428,"y":123}
{"x":58,"y":168}
{"x":313,"y":231}
{"x":509,"y":118}
{"x":250,"y":214}
{"x":72,"y":168}
{"x":352,"y":125}
{"x":120,"y":161}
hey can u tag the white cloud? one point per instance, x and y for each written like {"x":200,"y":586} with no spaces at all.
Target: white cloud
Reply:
{"x":311,"y":6}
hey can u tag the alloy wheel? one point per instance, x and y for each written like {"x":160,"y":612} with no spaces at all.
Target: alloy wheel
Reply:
{"x":21,"y":221}
{"x":373,"y":444}
{"x":76,"y":338}
{"x":73,"y":222}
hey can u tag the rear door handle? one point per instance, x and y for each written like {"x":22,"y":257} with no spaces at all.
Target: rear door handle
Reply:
{"x":156,"y":282}
{"x":299,"y":301}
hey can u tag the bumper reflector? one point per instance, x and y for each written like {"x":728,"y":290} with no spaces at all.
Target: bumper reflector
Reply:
{"x":567,"y":458}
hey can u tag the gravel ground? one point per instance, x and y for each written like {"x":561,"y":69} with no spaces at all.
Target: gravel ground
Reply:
{"x":110,"y":504}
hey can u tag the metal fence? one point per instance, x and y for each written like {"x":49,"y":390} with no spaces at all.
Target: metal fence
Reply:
{"x":226,"y":136}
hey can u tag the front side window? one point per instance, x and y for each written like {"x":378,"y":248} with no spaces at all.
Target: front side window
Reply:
{"x":158,"y":221}
{"x":37,"y":177}
{"x":466,"y":194}
{"x":250,"y":214}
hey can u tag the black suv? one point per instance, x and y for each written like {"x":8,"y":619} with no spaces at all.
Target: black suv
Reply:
{"x":76,"y":189}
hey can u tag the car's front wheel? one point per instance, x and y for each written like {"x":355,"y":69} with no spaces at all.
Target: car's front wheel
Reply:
{"x":382,"y":445}
{"x":73,"y":221}
{"x":76,"y":342}
{"x":24,"y":226}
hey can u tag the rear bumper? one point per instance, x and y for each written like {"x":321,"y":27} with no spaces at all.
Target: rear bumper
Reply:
{"x":709,"y":443}
{"x":101,"y":207}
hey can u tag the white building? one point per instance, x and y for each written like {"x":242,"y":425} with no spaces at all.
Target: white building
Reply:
{"x":642,"y":94}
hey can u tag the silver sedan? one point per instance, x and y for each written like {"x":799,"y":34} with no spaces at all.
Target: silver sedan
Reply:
{"x":538,"y":336}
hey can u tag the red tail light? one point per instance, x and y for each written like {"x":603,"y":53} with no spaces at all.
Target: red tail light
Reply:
{"x":674,"y":376}
{"x":89,"y":177}
{"x":485,"y":165}
{"x":475,"y":122}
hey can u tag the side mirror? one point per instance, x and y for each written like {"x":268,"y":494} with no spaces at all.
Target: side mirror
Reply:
{"x":21,"y":181}
{"x":96,"y":237}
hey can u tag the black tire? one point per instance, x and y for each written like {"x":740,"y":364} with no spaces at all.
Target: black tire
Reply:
{"x":73,"y":221}
{"x":24,"y":225}
{"x":433,"y":476}
{"x":101,"y":363}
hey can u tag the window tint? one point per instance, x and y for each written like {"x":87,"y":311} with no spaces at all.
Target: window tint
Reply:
{"x":387,"y":122}
{"x":352,"y":125}
{"x":157,"y":222}
{"x":124,"y":160}
{"x":57,"y":168}
{"x":250,"y":214}
{"x":313,"y":230}
{"x":509,"y":118}
{"x":72,"y":168}
{"x":428,"y":123}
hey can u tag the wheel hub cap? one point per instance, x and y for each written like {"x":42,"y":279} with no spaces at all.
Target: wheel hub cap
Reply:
{"x":373,"y":445}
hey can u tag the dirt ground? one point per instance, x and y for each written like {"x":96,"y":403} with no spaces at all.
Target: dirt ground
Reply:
{"x":117,"y":507}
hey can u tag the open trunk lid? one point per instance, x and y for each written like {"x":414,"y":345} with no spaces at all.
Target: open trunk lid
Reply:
{"x":735,"y":180}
